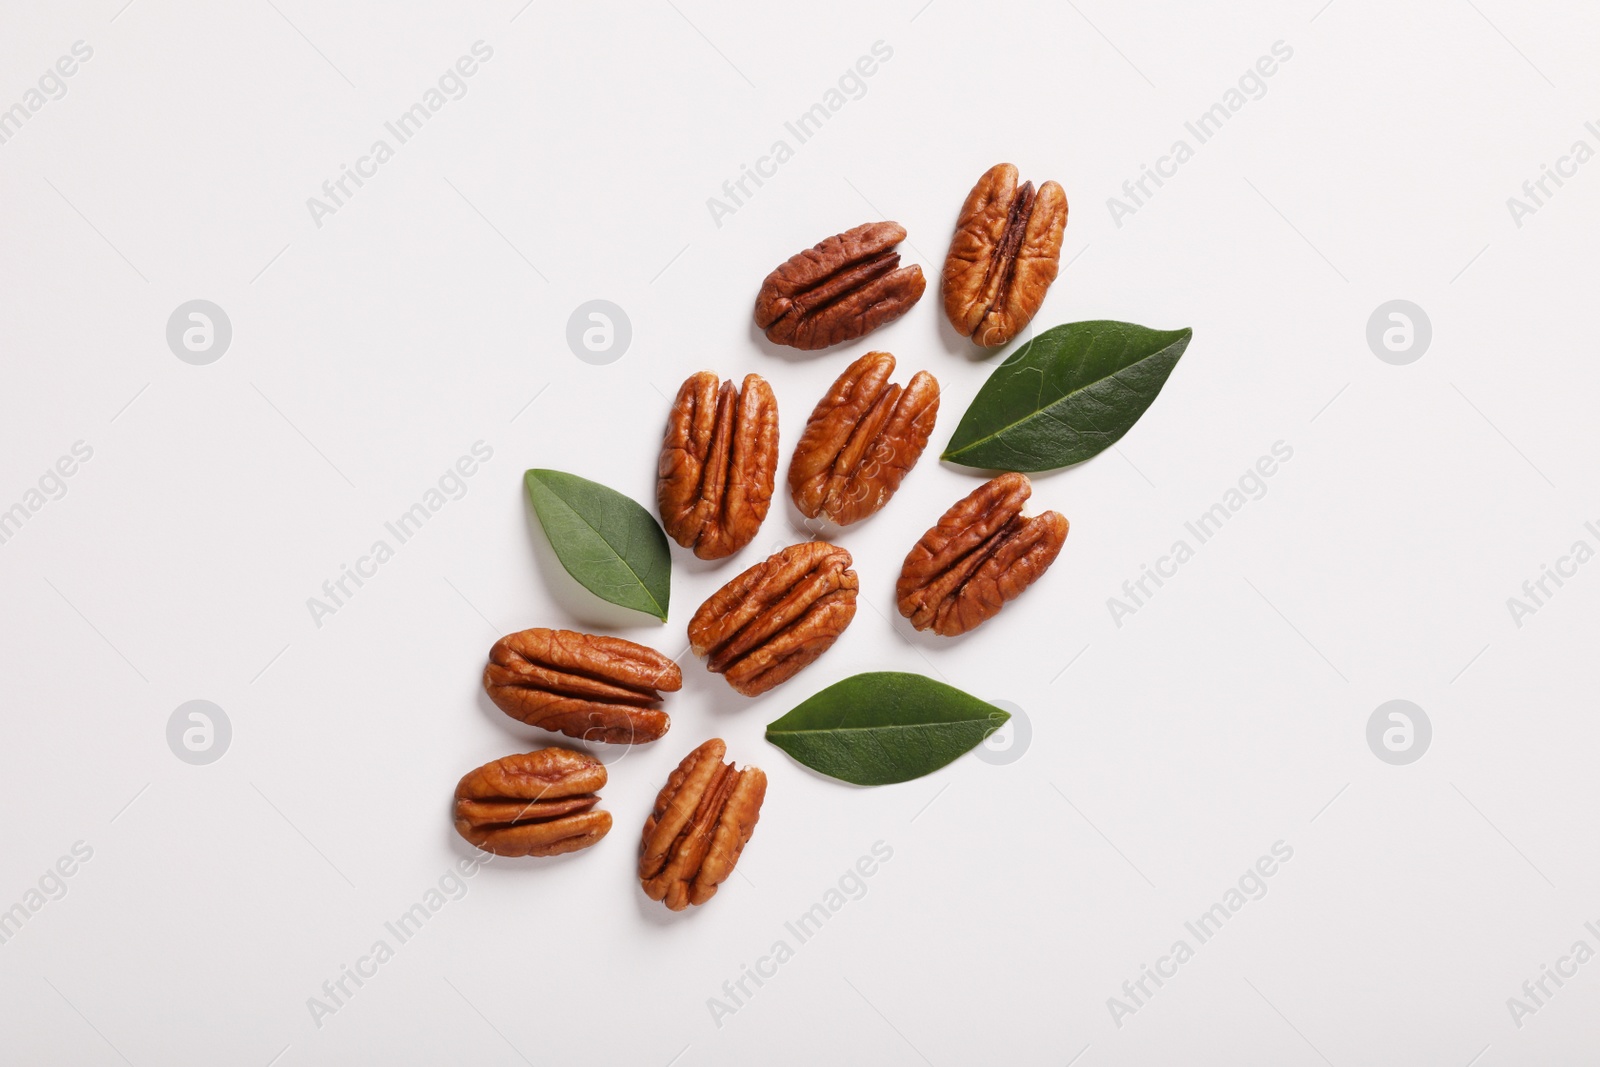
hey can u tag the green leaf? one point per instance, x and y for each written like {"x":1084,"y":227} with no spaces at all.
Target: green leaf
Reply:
{"x":884,"y":727}
{"x":611,"y":545}
{"x":1068,"y":394}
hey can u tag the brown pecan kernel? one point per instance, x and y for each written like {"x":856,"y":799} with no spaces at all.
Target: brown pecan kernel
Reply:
{"x":1004,"y":255}
{"x":718,"y":462}
{"x":861,"y":440}
{"x":763,"y":627}
{"x":844,"y":287}
{"x":702,"y":818}
{"x":537,"y":803}
{"x":596,"y":688}
{"x":981,"y":554}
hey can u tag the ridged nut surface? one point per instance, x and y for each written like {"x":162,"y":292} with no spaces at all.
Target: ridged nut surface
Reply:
{"x":1004,"y":255}
{"x":842,"y":288}
{"x":582,"y":685}
{"x":718,"y":462}
{"x":980,"y":555}
{"x":698,"y":828}
{"x":862,"y":439}
{"x":539,"y":803}
{"x":763,"y":627}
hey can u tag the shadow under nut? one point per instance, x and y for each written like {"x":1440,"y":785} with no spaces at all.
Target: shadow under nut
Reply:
{"x":539,"y":803}
{"x":980,"y":555}
{"x":718,"y":461}
{"x":582,"y":685}
{"x":696,"y":831}
{"x":770,"y":622}
{"x":861,"y":440}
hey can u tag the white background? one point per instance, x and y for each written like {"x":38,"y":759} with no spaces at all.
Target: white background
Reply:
{"x":1229,"y":713}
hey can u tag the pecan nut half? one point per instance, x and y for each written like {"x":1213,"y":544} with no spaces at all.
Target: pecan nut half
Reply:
{"x":981,"y":554}
{"x":861,"y":440}
{"x":763,"y":627}
{"x":1004,"y":255}
{"x":582,"y":685}
{"x":844,"y":287}
{"x":539,"y":803}
{"x":718,"y":461}
{"x":702,"y":819}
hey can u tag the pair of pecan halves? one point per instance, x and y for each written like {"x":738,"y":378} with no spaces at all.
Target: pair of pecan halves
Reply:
{"x":718,"y":461}
{"x":840,"y":289}
{"x":543,"y":803}
{"x":582,"y":685}
{"x":1004,"y":255}
{"x":701,"y":821}
{"x":766,"y":625}
{"x":861,"y":440}
{"x":539,"y":803}
{"x":981,"y":554}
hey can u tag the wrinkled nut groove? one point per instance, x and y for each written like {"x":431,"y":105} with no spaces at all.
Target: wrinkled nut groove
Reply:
{"x":861,"y":440}
{"x":981,"y":554}
{"x":595,"y":688}
{"x":702,"y":818}
{"x":718,"y":461}
{"x":844,"y":287}
{"x":1004,"y":255}
{"x":763,"y":627}
{"x":539,"y":803}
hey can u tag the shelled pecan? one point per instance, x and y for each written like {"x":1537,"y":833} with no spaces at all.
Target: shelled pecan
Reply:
{"x":763,"y":627}
{"x":718,"y":461}
{"x":701,"y":820}
{"x":840,"y":289}
{"x":539,"y":803}
{"x":861,"y":440}
{"x":981,"y":554}
{"x":582,"y":685}
{"x":1004,"y":255}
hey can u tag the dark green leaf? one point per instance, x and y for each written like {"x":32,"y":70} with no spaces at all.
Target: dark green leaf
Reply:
{"x":884,"y":727}
{"x":1066,"y":395}
{"x":611,"y":545}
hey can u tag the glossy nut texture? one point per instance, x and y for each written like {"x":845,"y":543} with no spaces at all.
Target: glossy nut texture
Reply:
{"x":861,"y":440}
{"x":763,"y":627}
{"x":718,"y":462}
{"x":1004,"y":255}
{"x":701,"y":820}
{"x":981,"y":554}
{"x":539,"y":803}
{"x":582,"y":685}
{"x":840,"y":289}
